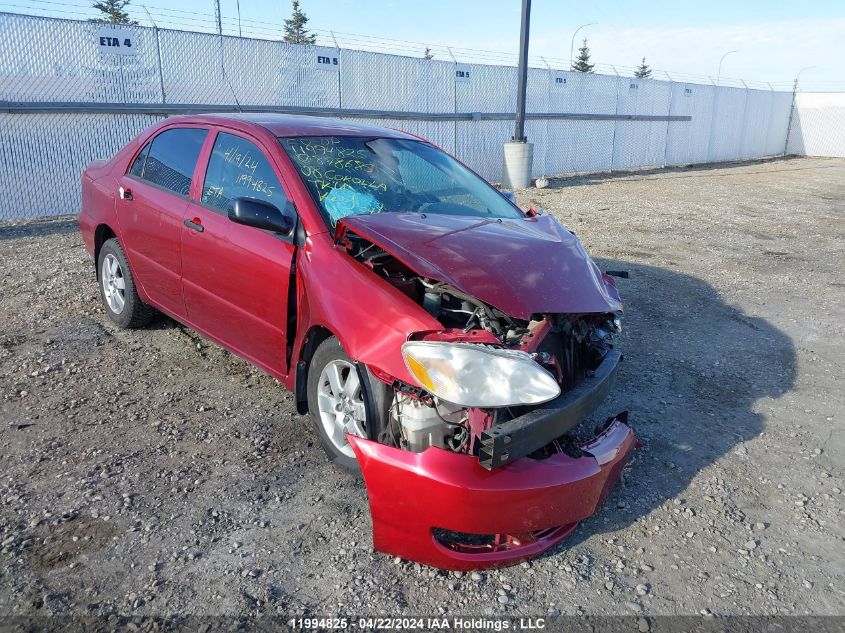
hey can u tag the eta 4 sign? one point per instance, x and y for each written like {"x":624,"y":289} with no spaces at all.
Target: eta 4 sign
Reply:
{"x":117,"y":41}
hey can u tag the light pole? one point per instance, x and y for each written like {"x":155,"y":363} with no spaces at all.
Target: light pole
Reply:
{"x":798,"y":76}
{"x":519,"y":132}
{"x":719,"y":74}
{"x":519,"y":153}
{"x":572,"y":43}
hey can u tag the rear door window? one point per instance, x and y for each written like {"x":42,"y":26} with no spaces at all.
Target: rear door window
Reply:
{"x":171,"y":159}
{"x":237,"y":168}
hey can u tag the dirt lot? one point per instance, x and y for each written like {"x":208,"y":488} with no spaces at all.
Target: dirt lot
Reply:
{"x":152,"y":473}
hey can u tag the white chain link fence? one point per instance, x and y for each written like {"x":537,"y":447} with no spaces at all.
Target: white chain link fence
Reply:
{"x":65,"y":100}
{"x":818,"y":125}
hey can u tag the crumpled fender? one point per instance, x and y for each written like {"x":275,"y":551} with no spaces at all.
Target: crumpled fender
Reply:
{"x":370,"y":317}
{"x":411,"y":494}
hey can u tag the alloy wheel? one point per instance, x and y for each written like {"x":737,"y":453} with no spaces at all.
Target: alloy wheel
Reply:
{"x":114,"y":284}
{"x":341,"y":404}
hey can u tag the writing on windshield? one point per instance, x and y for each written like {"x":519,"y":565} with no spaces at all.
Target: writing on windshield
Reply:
{"x":351,"y":175}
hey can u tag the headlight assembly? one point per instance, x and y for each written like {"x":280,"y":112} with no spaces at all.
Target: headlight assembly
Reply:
{"x":472,"y":375}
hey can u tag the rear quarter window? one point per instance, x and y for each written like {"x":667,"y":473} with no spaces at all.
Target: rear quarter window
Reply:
{"x":137,"y":168}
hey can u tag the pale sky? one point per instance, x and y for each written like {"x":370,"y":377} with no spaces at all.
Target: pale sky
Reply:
{"x":774,"y":39}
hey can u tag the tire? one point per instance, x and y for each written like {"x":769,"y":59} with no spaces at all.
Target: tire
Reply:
{"x":123,"y":305}
{"x":370,"y":400}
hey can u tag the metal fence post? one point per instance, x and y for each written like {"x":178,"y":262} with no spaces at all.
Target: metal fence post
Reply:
{"x":615,"y":123}
{"x":160,"y":69}
{"x":122,"y":78}
{"x":668,"y":121}
{"x":671,"y":99}
{"x":770,"y":119}
{"x":791,"y":114}
{"x":549,"y":108}
{"x":339,"y":71}
{"x":744,"y":132}
{"x":712,"y":119}
{"x":455,"y":95}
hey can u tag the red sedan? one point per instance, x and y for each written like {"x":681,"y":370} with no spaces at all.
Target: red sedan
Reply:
{"x":444,"y":342}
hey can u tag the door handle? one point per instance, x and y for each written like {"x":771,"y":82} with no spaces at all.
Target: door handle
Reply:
{"x":125,"y":194}
{"x":195,"y":224}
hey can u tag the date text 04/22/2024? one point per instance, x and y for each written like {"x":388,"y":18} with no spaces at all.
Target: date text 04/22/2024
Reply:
{"x":418,"y":623}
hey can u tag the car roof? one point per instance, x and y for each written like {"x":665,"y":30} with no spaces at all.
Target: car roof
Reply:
{"x":296,"y":125}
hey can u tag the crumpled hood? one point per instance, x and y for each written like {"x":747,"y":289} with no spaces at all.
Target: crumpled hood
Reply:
{"x":520,"y":266}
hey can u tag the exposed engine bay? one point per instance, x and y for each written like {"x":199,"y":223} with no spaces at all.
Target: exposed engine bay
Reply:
{"x":569,"y":346}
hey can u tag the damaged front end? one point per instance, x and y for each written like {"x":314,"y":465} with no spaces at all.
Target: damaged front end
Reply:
{"x":446,"y":510}
{"x":477,"y":465}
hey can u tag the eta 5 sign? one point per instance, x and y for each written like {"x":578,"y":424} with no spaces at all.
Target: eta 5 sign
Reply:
{"x":327,"y":58}
{"x":117,"y":41}
{"x":462,"y":73}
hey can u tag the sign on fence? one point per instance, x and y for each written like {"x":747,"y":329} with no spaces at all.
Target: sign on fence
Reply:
{"x":327,"y":58}
{"x":117,"y":41}
{"x":462,"y":73}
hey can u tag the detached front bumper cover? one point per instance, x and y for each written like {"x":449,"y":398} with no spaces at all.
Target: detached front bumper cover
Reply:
{"x":514,"y":512}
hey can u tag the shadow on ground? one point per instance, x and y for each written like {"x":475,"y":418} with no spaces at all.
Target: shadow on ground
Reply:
{"x":41,"y":228}
{"x":694,"y":372}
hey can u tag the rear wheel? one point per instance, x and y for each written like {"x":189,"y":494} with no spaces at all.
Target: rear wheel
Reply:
{"x":344,"y":398}
{"x":117,"y":288}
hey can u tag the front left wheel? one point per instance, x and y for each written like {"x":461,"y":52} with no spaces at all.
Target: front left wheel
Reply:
{"x":117,"y":288}
{"x":344,"y":398}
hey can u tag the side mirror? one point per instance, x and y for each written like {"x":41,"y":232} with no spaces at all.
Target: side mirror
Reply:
{"x":263,"y":215}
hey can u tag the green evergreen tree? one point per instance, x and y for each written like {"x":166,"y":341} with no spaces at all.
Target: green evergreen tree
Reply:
{"x":295,"y":31}
{"x":582,"y":62}
{"x":113,"y":12}
{"x":643,"y":71}
{"x":428,"y":54}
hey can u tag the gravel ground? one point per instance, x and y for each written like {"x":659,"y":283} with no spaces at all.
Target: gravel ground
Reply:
{"x":152,"y":473}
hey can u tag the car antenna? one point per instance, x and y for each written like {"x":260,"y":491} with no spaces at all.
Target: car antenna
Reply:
{"x":234,"y":96}
{"x":223,"y":71}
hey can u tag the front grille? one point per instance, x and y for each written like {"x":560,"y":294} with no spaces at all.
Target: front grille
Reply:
{"x":466,"y":543}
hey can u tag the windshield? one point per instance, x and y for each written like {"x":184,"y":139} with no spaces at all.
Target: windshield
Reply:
{"x":352,"y":175}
